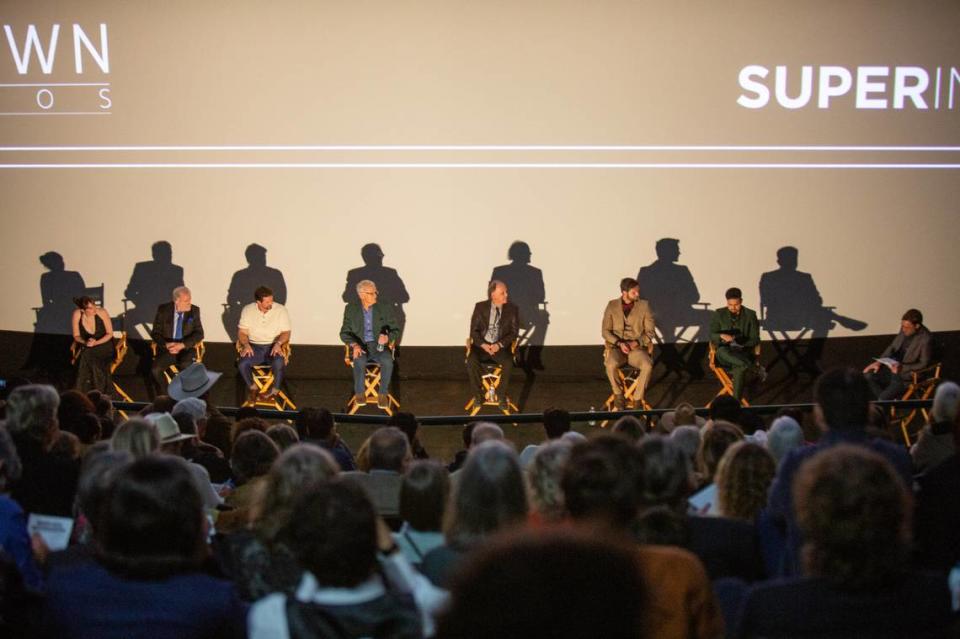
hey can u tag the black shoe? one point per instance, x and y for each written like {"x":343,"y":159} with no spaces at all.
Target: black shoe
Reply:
{"x":503,"y":405}
{"x":619,"y":403}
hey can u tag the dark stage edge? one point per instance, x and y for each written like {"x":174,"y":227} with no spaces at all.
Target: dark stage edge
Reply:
{"x":432,"y":380}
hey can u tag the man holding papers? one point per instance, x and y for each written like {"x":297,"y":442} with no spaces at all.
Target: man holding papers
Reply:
{"x":911,"y":350}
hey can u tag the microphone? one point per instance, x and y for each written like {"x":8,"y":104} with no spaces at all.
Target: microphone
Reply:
{"x":385,"y":330}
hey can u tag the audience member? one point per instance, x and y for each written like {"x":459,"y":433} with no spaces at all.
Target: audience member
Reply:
{"x":103,"y":409}
{"x":201,"y":453}
{"x":96,"y":474}
{"x":600,"y":486}
{"x":47,"y":482}
{"x":217,"y":434}
{"x":283,"y":435}
{"x":407,"y":422}
{"x":842,"y":403}
{"x":423,"y":500}
{"x":316,"y":425}
{"x":714,"y":442}
{"x":562,"y":584}
{"x":630,"y":427}
{"x":935,"y":443}
{"x":14,"y":540}
{"x":556,"y":423}
{"x":74,"y":406}
{"x":388,"y":455}
{"x":137,"y":437}
{"x":726,"y":408}
{"x":253,"y":455}
{"x":743,"y":480}
{"x":852,"y":508}
{"x":461,"y":455}
{"x":171,"y":443}
{"x":160,"y":404}
{"x":490,"y":497}
{"x":543,"y":478}
{"x":332,"y":532}
{"x":688,"y":439}
{"x":255,"y":558}
{"x":785,"y":434}
{"x":683,"y":415}
{"x":145,"y":581}
{"x":67,"y":446}
{"x":937,"y":512}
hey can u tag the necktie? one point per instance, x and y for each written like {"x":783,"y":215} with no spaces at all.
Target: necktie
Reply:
{"x":178,"y":327}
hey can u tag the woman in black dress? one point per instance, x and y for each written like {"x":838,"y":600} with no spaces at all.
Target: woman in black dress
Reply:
{"x":93,"y":331}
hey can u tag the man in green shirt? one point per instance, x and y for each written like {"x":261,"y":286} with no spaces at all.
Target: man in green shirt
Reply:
{"x":735,"y":332}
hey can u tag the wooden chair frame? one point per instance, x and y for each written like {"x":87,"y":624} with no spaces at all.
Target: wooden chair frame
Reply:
{"x":923,"y":384}
{"x":264,"y":380}
{"x":372,"y":377}
{"x":491,"y":382}
{"x":726,"y":383}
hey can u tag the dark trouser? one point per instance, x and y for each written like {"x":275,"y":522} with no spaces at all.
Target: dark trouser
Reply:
{"x":384,"y":358}
{"x":475,"y":362}
{"x":738,"y":364}
{"x":885,"y":384}
{"x":93,"y":368}
{"x":164,"y":360}
{"x":261,"y":355}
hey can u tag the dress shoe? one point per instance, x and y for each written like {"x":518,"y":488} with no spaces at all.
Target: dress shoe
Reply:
{"x":383,"y":401}
{"x":252,"y":393}
{"x":360,"y":399}
{"x":618,"y":402}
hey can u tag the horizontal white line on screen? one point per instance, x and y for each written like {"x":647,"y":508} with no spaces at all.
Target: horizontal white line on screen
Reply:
{"x":56,"y":113}
{"x":489,"y":147}
{"x":474,"y":165}
{"x":55,"y":84}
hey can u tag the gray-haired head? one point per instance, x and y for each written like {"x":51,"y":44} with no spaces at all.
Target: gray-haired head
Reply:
{"x":136,"y":436}
{"x":178,"y":292}
{"x":490,"y":495}
{"x":688,"y":438}
{"x":32,"y":410}
{"x":10,"y":467}
{"x":363,"y":285}
{"x":192,"y":406}
{"x":946,"y":402}
{"x":784,"y":435}
{"x":485,"y":432}
{"x":544,"y":474}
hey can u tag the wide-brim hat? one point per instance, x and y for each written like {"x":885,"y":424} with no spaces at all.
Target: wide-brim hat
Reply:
{"x":683,"y":415}
{"x":167,"y":428}
{"x":193,"y":381}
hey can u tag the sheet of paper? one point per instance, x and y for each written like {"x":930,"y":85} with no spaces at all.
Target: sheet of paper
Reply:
{"x":54,"y":530}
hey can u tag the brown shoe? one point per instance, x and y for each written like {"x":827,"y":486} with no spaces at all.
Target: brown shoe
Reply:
{"x":360,"y":399}
{"x":383,"y":401}
{"x":252,"y":394}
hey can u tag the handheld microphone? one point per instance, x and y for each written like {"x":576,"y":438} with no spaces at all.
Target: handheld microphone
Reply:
{"x":385,"y":330}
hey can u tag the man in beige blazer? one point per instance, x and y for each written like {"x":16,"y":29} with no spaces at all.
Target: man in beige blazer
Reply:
{"x":628,"y":331}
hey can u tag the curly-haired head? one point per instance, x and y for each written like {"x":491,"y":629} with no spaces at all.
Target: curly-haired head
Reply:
{"x":854,"y":513}
{"x":743,"y":478}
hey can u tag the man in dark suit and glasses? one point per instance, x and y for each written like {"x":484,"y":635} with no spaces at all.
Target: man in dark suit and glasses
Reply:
{"x":493,"y":328}
{"x":176,"y":331}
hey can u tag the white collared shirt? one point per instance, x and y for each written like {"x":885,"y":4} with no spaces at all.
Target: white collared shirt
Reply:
{"x":263,"y":328}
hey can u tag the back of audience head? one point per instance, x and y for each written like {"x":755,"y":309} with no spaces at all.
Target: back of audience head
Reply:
{"x":726,"y":408}
{"x":467,"y":434}
{"x":665,"y":476}
{"x":217,"y":434}
{"x":160,"y":404}
{"x":842,"y":397}
{"x":102,"y":404}
{"x":192,"y":406}
{"x":490,"y":494}
{"x":423,"y":495}
{"x":96,"y":476}
{"x":713,"y":444}
{"x":688,"y":439}
{"x":283,"y":435}
{"x":485,"y":432}
{"x":315,"y":424}
{"x":137,"y":437}
{"x":67,"y":445}
{"x":88,"y":429}
{"x":10,"y":467}
{"x":332,"y":531}
{"x":544,"y":475}
{"x":683,"y":415}
{"x":74,"y":406}
{"x":854,"y":514}
{"x":389,"y":449}
{"x":151,"y":523}
{"x":253,"y":454}
{"x":532,"y":584}
{"x":946,"y":403}
{"x":246,"y":424}
{"x":245,"y":412}
{"x":743,"y":479}
{"x":600,"y":482}
{"x":299,"y":466}
{"x":630,"y":427}
{"x":784,"y":435}
{"x":406,"y":422}
{"x":32,"y":412}
{"x":556,"y":422}
{"x":749,"y":422}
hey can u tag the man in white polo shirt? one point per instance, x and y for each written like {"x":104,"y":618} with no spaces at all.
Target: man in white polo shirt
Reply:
{"x":263,"y":330}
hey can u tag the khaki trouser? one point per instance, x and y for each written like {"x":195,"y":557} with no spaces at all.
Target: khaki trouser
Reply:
{"x":639,"y":358}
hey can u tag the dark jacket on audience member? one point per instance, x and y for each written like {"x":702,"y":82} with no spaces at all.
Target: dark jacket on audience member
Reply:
{"x":48,"y":483}
{"x":936,"y":521}
{"x":726,"y":547}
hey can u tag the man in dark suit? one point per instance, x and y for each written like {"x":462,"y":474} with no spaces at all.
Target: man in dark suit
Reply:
{"x":368,"y":329}
{"x":735,"y":332}
{"x":494,"y":326}
{"x":911,"y":350}
{"x":176,"y":331}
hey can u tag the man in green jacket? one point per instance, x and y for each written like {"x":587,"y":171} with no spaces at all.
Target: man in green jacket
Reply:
{"x":368,"y":330}
{"x":735,"y":332}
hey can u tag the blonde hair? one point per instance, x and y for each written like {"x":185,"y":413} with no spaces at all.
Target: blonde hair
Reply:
{"x":743,"y":478}
{"x":137,"y":437}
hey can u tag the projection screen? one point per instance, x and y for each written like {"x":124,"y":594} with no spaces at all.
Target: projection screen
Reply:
{"x":444,"y":131}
